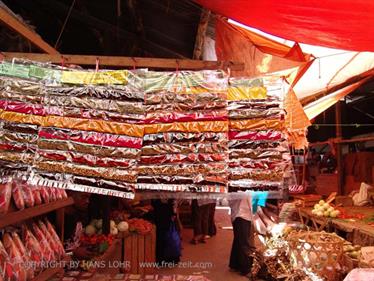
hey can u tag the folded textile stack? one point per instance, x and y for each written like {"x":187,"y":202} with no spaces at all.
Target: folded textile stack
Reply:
{"x":259,"y":154}
{"x":72,"y":134}
{"x":185,"y":135}
{"x":91,"y":136}
{"x":19,"y":121}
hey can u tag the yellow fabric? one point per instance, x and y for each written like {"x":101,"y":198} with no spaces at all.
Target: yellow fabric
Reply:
{"x":102,"y":77}
{"x":246,"y":93}
{"x":193,"y":127}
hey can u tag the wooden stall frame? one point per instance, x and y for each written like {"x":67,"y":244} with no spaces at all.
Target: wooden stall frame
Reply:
{"x":118,"y":61}
{"x":14,"y":217}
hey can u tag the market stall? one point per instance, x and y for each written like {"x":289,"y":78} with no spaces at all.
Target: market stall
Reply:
{"x":356,"y":223}
{"x":192,"y":131}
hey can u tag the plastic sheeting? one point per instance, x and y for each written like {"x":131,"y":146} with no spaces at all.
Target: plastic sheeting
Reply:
{"x":258,"y":153}
{"x":182,"y":131}
{"x":190,"y":155}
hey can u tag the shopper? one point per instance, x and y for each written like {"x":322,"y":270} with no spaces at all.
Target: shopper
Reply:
{"x":200,"y":219}
{"x":241,"y":217}
{"x":168,"y":244}
{"x":212,"y":229}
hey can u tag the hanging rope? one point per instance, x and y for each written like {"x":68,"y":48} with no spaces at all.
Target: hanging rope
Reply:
{"x":63,"y":26}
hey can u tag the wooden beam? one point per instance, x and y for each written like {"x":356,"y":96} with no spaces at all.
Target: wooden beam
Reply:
{"x":331,"y":141}
{"x":118,"y":61}
{"x":356,"y":140}
{"x":11,"y":21}
{"x":200,"y":36}
{"x":339,"y":152}
{"x":364,"y":77}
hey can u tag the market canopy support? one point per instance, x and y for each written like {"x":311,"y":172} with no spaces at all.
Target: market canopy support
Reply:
{"x":11,"y":21}
{"x":127,"y":61}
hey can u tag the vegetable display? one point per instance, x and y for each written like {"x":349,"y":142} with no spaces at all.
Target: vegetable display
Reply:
{"x":323,"y":209}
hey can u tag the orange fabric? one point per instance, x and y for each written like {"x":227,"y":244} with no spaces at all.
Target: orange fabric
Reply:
{"x":193,"y":127}
{"x":256,"y":124}
{"x":21,"y":118}
{"x":296,"y":121}
{"x":259,"y":54}
{"x":75,"y":123}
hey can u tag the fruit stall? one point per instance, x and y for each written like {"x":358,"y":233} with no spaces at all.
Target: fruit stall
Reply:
{"x":353,"y":222}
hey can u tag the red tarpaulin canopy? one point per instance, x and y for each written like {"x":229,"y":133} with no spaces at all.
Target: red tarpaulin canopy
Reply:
{"x":341,"y":24}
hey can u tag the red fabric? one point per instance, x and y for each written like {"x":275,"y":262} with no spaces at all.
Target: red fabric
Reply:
{"x":254,"y":135}
{"x":342,"y":24}
{"x":87,"y":160}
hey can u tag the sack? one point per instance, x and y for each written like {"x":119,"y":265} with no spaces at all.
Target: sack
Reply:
{"x":362,"y":197}
{"x":172,"y":250}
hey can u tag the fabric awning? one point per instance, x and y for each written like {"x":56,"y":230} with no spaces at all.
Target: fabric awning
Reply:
{"x":259,"y":53}
{"x":341,"y":24}
{"x":315,"y":108}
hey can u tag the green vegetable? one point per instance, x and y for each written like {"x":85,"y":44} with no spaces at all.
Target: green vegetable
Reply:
{"x":103,"y":247}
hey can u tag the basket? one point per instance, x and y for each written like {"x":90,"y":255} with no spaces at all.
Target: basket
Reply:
{"x":319,"y":252}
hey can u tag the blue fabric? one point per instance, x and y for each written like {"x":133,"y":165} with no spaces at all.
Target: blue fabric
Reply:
{"x":259,"y":199}
{"x":172,"y":250}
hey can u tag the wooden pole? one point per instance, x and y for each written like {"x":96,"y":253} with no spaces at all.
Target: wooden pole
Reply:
{"x":338,"y":146}
{"x":106,"y":214}
{"x":127,"y":61}
{"x":342,"y":141}
{"x":200,"y":36}
{"x":7,"y":17}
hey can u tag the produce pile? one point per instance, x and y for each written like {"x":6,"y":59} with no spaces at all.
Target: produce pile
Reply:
{"x":22,"y":259}
{"x":259,"y":154}
{"x":140,"y":226}
{"x":185,"y":141}
{"x":323,"y":209}
{"x":353,"y":251}
{"x":25,"y":195}
{"x":96,"y":227}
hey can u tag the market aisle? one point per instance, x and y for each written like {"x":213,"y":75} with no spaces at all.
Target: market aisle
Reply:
{"x":210,"y":259}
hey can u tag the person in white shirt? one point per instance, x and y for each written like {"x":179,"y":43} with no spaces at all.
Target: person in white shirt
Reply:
{"x":242,"y":218}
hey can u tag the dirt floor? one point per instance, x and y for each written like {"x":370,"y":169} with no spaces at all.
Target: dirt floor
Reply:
{"x":210,"y":259}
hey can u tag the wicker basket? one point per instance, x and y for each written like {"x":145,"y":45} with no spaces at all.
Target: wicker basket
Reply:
{"x":318,"y":252}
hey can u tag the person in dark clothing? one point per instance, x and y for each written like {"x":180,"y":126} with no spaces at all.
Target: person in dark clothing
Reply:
{"x":168,"y":247}
{"x":242,"y":246}
{"x":200,"y":217}
{"x":212,"y":230}
{"x":78,"y":212}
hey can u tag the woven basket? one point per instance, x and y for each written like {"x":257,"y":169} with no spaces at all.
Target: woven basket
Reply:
{"x":319,"y":252}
